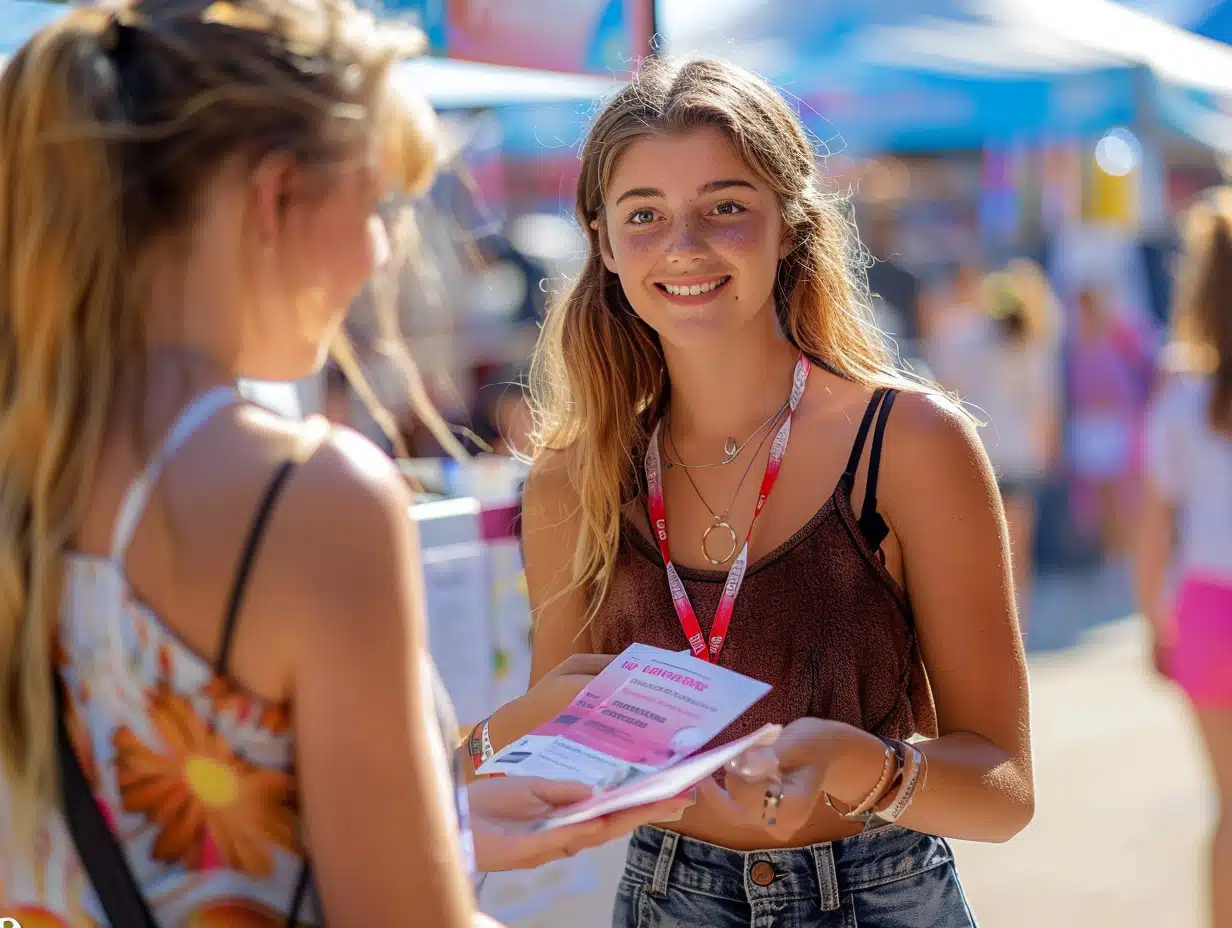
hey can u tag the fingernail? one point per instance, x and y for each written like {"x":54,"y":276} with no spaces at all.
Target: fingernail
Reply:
{"x":695,"y":794}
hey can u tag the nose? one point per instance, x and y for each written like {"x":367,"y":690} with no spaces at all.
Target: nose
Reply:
{"x":686,"y":244}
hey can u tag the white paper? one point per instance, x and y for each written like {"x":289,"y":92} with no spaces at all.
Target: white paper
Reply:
{"x":665,"y":784}
{"x":648,"y":710}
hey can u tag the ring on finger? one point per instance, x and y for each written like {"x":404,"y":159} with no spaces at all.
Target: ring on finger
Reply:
{"x":771,"y":801}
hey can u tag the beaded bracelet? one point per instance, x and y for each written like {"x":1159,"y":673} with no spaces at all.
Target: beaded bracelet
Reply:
{"x":914,"y":773}
{"x":889,"y":773}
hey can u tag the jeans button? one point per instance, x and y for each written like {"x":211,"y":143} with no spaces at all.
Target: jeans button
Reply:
{"x":762,"y":873}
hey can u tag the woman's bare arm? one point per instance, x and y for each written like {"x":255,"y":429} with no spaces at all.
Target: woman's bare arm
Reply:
{"x":939,"y":495}
{"x":373,"y":776}
{"x":942,"y":503}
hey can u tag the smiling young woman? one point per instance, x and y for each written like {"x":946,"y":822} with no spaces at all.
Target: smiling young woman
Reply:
{"x":714,"y":439}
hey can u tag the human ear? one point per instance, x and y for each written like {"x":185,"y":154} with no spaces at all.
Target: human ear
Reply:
{"x":271,"y":182}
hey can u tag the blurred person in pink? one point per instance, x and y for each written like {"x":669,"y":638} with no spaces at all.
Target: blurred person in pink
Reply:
{"x":1185,"y":532}
{"x":1109,"y":381}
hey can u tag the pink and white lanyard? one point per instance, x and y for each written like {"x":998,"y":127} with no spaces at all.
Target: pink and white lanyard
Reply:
{"x":735,"y":577}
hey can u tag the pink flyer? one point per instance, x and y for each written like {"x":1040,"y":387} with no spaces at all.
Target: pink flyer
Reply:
{"x":665,"y":784}
{"x":648,"y":710}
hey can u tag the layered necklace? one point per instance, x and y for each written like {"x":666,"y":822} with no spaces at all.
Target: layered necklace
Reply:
{"x":732,"y":450}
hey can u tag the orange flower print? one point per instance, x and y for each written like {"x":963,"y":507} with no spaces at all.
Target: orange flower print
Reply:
{"x":165,"y":664}
{"x":212,"y":808}
{"x":35,"y":916}
{"x":227,"y":698}
{"x":235,"y":913}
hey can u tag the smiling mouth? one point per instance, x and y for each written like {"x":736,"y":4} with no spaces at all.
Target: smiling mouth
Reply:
{"x":693,"y":289}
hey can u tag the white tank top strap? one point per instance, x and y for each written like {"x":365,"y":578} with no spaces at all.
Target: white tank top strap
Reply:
{"x":195,"y":415}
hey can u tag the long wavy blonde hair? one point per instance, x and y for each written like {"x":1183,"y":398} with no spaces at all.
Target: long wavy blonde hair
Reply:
{"x":598,"y":374}
{"x":112,"y":121}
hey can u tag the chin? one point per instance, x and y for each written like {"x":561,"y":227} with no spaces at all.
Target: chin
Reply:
{"x":700,"y":325}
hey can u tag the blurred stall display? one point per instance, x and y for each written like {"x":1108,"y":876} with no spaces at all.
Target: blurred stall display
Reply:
{"x":450,"y":84}
{"x":455,"y":586}
{"x":585,"y":36}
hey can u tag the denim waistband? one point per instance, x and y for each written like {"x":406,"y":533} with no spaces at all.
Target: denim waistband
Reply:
{"x":822,"y":871}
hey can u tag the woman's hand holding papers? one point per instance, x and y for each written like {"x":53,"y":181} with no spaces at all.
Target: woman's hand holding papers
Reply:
{"x":507,"y":812}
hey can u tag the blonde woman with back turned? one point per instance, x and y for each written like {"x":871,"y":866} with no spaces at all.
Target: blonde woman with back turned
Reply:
{"x":214,"y":611}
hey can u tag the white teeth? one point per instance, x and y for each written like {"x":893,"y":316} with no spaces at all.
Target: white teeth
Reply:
{"x":695,"y":289}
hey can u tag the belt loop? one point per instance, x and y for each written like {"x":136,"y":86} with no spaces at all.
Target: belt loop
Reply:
{"x":827,"y":876}
{"x":663,"y":866}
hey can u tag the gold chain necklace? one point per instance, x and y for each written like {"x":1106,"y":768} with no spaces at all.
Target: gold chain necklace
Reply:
{"x":731,"y":449}
{"x":720,"y":521}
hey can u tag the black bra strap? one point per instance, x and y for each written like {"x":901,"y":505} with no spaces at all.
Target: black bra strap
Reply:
{"x":259,"y":522}
{"x":871,"y":523}
{"x":857,"y":447}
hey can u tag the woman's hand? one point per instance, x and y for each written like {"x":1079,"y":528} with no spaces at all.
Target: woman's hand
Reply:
{"x":810,"y":757}
{"x":506,"y":812}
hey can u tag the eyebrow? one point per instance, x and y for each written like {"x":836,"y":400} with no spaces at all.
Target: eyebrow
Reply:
{"x":712,"y":186}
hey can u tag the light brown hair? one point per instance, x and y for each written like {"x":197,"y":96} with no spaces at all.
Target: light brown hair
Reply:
{"x":598,"y":375}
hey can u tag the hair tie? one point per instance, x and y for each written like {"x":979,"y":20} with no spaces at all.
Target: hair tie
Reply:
{"x":109,"y":36}
{"x":120,"y":17}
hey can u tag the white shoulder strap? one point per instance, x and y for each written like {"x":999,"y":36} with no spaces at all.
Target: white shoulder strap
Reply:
{"x":195,"y":415}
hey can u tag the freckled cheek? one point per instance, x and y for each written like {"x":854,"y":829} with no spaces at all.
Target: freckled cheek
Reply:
{"x":637,"y":247}
{"x":746,"y":236}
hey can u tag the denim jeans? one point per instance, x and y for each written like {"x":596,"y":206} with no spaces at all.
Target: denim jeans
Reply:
{"x":886,"y":878}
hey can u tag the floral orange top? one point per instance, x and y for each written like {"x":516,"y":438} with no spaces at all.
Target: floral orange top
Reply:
{"x":195,"y":775}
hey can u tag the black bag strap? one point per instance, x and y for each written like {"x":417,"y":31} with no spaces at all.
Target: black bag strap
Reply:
{"x":97,"y":846}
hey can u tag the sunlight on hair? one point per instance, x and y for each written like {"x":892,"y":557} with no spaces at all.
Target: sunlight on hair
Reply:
{"x":598,"y":375}
{"x":91,"y":180}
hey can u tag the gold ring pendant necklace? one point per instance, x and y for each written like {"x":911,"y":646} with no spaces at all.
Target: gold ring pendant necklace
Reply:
{"x":720,"y":521}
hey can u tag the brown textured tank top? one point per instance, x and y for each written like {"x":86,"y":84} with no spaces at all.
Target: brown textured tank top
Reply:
{"x":819,"y":618}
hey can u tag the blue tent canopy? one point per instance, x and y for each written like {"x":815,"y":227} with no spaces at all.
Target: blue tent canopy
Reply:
{"x":900,"y":74}
{"x":1217,"y":24}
